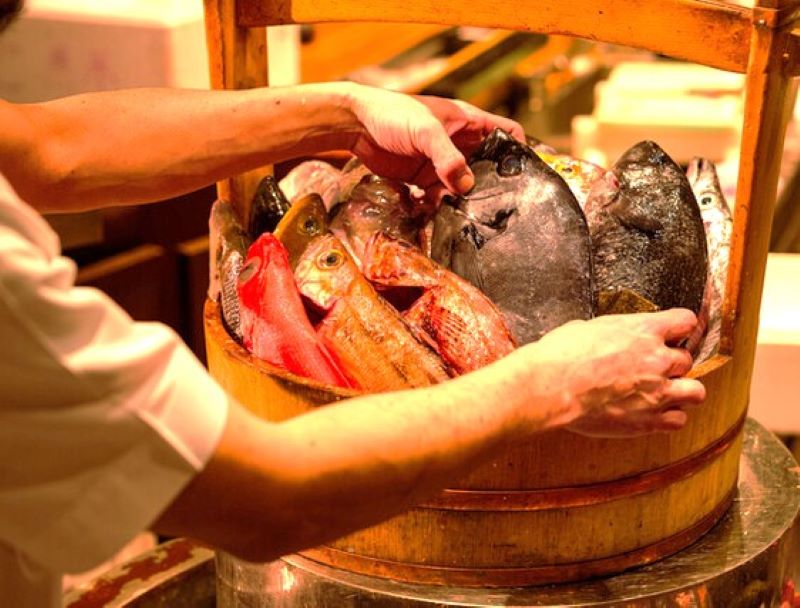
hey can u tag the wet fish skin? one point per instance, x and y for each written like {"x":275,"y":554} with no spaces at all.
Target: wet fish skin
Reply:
{"x":228,"y":243}
{"x":269,"y":206}
{"x":274,"y":323}
{"x":647,"y":233}
{"x":520,"y":237}
{"x":718,"y":223}
{"x":313,"y":176}
{"x":579,"y":174}
{"x":452,"y":315}
{"x":376,"y":204}
{"x":369,"y":337}
{"x":305,"y":221}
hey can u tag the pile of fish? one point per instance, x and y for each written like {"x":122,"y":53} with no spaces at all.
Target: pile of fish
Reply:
{"x":350,"y":279}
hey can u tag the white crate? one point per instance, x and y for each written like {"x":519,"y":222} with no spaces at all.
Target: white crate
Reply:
{"x":59,"y":48}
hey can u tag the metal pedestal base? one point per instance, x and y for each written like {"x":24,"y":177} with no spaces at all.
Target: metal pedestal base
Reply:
{"x":747,"y":560}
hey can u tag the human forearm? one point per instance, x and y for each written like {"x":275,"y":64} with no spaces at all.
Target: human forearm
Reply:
{"x":279,"y":488}
{"x":275,"y":488}
{"x":149,"y":144}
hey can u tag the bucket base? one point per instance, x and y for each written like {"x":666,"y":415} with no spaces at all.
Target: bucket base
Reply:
{"x":745,"y":560}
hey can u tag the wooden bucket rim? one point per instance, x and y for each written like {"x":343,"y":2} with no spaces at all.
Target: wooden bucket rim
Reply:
{"x":235,"y":350}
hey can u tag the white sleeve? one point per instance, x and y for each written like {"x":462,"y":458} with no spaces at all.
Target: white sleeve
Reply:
{"x":102,"y":420}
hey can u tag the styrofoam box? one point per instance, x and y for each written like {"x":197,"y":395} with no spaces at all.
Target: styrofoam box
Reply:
{"x":60,"y":48}
{"x":690,"y":110}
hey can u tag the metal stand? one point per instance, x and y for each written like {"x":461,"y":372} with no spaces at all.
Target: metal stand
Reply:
{"x":747,"y":560}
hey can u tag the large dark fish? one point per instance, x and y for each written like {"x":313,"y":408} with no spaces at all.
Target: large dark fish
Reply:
{"x":519,"y":236}
{"x":718,"y":223}
{"x":228,"y":245}
{"x":376,"y":204}
{"x":269,"y":206}
{"x":647,"y":234}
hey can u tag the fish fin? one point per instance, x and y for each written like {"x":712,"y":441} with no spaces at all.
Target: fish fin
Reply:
{"x":465,"y":262}
{"x":636,"y":218}
{"x":445,"y":227}
{"x":623,"y":301}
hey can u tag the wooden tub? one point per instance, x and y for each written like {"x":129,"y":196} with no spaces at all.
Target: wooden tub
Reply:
{"x":559,"y":507}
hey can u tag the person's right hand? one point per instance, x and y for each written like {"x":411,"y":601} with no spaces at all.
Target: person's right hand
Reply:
{"x":618,"y":375}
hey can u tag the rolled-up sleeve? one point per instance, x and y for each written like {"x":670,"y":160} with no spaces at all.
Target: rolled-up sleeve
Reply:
{"x":103,"y":420}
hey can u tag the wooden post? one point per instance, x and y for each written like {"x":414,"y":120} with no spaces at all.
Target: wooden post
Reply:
{"x":237,"y":59}
{"x":769,"y":99}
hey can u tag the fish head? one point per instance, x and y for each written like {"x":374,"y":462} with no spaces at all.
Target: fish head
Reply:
{"x":702,"y":175}
{"x":325,"y":272}
{"x":306,"y":220}
{"x":394,"y":262}
{"x":265,"y":251}
{"x":376,"y":204}
{"x":505,"y":170}
{"x":652,"y":188}
{"x":268,"y":207}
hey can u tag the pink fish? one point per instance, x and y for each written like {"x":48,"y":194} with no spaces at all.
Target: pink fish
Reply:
{"x":274,"y":323}
{"x":453,"y":316}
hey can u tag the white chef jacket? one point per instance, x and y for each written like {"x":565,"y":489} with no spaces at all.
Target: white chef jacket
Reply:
{"x":102,"y":419}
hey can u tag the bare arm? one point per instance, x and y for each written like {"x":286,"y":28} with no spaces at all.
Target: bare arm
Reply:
{"x":271,"y":489}
{"x":141,"y":145}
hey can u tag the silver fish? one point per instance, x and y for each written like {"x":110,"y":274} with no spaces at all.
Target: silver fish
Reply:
{"x":718,"y":223}
{"x":228,"y":243}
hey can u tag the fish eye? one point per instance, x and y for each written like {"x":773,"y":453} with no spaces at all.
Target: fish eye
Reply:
{"x":510,"y":165}
{"x":310,"y":226}
{"x":706,"y":201}
{"x":249,"y":270}
{"x":330,"y":259}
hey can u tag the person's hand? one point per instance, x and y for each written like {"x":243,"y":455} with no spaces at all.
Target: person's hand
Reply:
{"x":618,"y":374}
{"x":422,"y":140}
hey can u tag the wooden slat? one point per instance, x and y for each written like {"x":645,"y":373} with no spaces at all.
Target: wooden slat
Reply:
{"x":237,"y":59}
{"x":710,"y":32}
{"x":769,"y":101}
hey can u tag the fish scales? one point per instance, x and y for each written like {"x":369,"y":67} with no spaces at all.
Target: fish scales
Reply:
{"x":366,"y":333}
{"x":521,"y":237}
{"x":228,"y":244}
{"x":451,"y":315}
{"x":647,"y":233}
{"x":366,"y":337}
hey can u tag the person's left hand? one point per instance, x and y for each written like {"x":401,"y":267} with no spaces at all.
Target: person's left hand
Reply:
{"x":422,"y":139}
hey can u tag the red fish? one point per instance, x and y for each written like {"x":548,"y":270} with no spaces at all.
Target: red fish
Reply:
{"x":274,"y":323}
{"x":452,"y":315}
{"x":365,"y":332}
